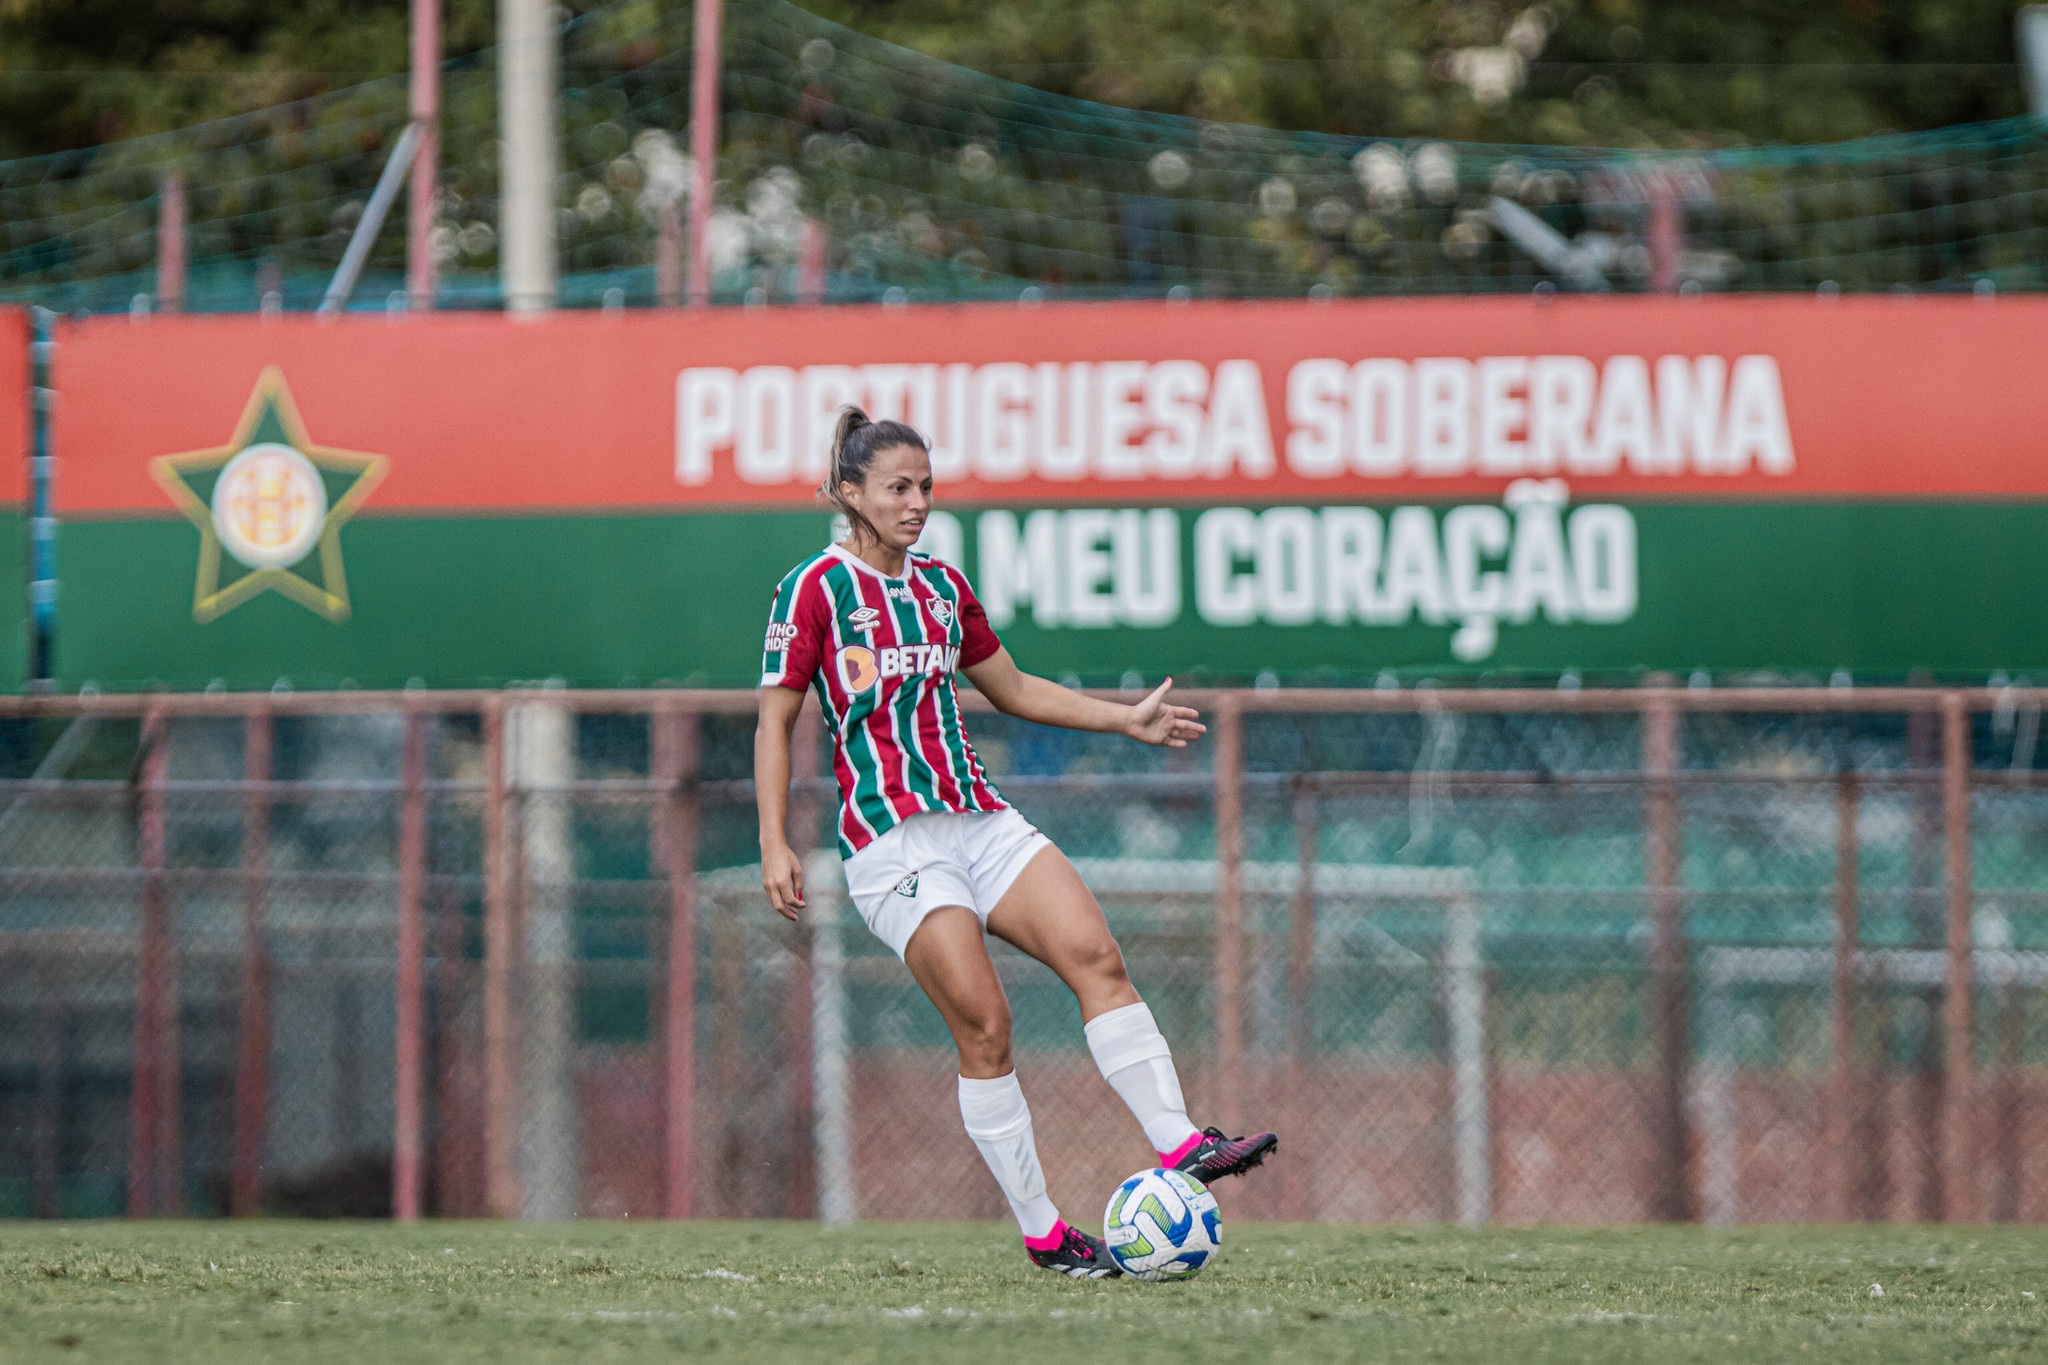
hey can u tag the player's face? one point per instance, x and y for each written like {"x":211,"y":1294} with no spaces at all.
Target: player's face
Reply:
{"x":897,"y":495}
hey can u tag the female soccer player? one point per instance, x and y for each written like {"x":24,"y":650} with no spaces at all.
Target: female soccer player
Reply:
{"x":934,"y":856}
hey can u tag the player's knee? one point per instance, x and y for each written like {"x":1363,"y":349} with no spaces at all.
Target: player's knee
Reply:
{"x":1101,"y":962}
{"x":983,"y":1036}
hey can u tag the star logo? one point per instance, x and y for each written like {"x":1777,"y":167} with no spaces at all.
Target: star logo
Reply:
{"x":273,"y":501}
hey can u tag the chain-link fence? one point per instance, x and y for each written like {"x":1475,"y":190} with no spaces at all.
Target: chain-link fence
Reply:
{"x":1580,"y":956}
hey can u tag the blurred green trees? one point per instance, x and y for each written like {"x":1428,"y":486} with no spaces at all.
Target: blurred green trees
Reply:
{"x":1580,"y":72}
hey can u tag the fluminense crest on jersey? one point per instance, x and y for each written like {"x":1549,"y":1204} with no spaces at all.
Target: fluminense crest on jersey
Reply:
{"x":881,"y":653}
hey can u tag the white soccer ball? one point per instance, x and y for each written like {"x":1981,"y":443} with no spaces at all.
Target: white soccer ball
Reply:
{"x":1162,"y":1225}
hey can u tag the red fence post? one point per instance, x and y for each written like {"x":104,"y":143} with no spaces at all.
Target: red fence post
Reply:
{"x":1301,"y":985}
{"x":410,"y":975}
{"x":801,"y":1190}
{"x":675,"y":830}
{"x":1670,"y":1199}
{"x":421,"y":269}
{"x":170,"y":244}
{"x":1227,"y":734}
{"x":1845,"y":1096}
{"x":501,"y":1170}
{"x":252,"y":1029}
{"x":707,"y":59}
{"x":1958,"y":1173}
{"x":149,"y":1162}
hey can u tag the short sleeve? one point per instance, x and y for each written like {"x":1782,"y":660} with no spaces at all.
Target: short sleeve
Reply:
{"x":977,"y":637}
{"x":798,"y":622}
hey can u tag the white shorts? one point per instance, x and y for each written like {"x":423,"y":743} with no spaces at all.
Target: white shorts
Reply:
{"x":939,"y":858}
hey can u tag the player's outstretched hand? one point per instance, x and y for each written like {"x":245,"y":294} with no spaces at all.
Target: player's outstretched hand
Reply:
{"x":1153,"y":721}
{"x":782,"y":877}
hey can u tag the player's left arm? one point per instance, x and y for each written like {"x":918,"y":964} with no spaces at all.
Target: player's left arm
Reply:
{"x":1017,"y":693}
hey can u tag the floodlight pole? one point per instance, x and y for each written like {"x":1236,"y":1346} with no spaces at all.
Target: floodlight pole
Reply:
{"x":705,"y":39}
{"x":420,"y":281}
{"x":527,"y":159}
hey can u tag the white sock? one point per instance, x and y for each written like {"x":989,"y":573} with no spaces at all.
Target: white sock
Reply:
{"x":1000,"y":1123}
{"x":1133,"y":1057}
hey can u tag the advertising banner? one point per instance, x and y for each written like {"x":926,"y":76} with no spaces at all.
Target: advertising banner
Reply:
{"x":14,"y":497}
{"x":1317,"y":490}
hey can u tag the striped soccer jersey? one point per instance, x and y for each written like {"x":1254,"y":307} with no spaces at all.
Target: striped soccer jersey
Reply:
{"x":881,"y":652}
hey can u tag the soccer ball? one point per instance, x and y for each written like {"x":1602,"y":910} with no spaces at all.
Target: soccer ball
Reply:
{"x":1162,"y":1225}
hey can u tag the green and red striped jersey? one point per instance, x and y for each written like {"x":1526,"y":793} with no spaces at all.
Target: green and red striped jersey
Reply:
{"x":881,"y":652}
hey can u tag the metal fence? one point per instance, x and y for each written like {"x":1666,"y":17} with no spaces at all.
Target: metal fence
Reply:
{"x":1578,"y":955}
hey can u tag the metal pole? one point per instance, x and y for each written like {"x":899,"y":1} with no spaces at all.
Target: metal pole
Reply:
{"x":1958,"y":1173}
{"x":420,"y":267}
{"x":1670,"y":1200}
{"x":1846,"y":1098}
{"x":410,"y":1005}
{"x":1720,"y":1138}
{"x":252,"y":1059}
{"x":2030,"y":30}
{"x":540,"y":745}
{"x":371,"y":223}
{"x":526,"y":168}
{"x":675,"y":766}
{"x":1227,"y":734}
{"x":170,"y":244}
{"x":1465,"y":1000}
{"x":704,"y":101}
{"x":1301,"y":986}
{"x":501,"y":1170}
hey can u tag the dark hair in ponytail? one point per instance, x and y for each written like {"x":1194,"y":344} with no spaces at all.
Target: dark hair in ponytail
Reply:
{"x":855,"y":443}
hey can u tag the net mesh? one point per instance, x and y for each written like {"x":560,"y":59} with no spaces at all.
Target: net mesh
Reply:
{"x":1446,"y":979}
{"x":933,"y":181}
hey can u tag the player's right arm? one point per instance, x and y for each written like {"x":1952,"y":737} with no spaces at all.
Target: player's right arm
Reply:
{"x":798,"y":623}
{"x":782,"y":872}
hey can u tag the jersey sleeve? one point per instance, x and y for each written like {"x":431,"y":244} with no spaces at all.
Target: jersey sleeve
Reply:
{"x":798,"y":622}
{"x":977,"y":637}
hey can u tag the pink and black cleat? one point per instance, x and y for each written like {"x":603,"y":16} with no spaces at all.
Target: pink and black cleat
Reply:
{"x":1073,"y":1252}
{"x":1209,"y":1155}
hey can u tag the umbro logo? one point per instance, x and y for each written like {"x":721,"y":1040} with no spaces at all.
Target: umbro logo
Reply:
{"x":907,"y":888}
{"x":860,"y":618}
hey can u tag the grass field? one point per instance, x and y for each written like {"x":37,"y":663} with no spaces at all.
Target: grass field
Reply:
{"x":377,"y":1293}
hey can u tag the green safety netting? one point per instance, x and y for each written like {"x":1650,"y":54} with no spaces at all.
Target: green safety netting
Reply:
{"x":944,"y":183}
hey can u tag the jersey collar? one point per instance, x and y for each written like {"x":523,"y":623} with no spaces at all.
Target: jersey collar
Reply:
{"x":835,"y":548}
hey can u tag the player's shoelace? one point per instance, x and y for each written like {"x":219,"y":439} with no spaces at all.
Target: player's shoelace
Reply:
{"x":1219,"y":1156}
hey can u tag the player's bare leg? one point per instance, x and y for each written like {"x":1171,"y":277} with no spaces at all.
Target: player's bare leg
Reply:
{"x":949,"y":960}
{"x":1050,"y":913}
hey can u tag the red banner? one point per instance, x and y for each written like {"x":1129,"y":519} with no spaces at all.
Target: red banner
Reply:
{"x":1092,"y":403}
{"x":15,"y":399}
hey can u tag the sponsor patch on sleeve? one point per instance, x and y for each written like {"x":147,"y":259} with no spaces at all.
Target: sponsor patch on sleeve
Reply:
{"x":781,"y":634}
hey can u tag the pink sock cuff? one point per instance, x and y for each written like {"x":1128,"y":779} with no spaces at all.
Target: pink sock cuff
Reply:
{"x":1051,"y":1240}
{"x":1174,"y":1157}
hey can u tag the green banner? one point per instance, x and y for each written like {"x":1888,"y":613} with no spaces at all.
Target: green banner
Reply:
{"x":1533,"y":584}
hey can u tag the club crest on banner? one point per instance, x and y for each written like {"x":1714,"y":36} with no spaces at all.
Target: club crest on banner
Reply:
{"x":273,"y":503}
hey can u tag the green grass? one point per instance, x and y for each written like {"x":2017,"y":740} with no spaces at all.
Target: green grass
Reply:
{"x":376,"y":1294}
